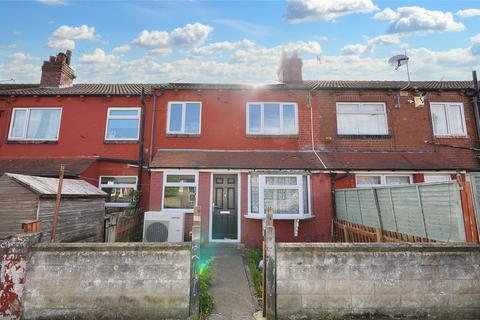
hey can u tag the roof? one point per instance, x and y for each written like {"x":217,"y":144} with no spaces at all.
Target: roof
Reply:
{"x":46,"y":167}
{"x":99,"y":89}
{"x":86,"y":89}
{"x":47,"y":187}
{"x":303,"y":160}
{"x":325,"y":84}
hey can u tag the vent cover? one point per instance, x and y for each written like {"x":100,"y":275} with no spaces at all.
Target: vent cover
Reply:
{"x":157,"y":232}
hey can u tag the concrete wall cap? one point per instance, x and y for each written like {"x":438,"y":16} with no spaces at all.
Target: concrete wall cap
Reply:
{"x":121,"y":246}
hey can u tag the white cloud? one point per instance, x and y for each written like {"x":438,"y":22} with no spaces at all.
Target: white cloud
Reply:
{"x":417,"y":20}
{"x":98,"y":56}
{"x":161,"y":42}
{"x":327,"y":10}
{"x":12,"y":46}
{"x":467,"y":13}
{"x":371,"y":45}
{"x":152,"y":39}
{"x":53,"y":2}
{"x":190,"y":35}
{"x":217,"y":47}
{"x":17,"y":33}
{"x":122,"y":49}
{"x":65,"y":36}
{"x":475,"y":39}
{"x":245,"y":27}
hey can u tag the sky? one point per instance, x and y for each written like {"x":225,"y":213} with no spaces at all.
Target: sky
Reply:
{"x":240,"y":41}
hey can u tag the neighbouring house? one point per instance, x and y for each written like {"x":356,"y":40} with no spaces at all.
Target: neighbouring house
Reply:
{"x":27,"y":198}
{"x":236,"y":150}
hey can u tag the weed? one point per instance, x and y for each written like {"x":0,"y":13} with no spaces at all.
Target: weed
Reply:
{"x":253,"y":257}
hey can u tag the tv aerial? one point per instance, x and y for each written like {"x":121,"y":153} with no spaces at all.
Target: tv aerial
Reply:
{"x":396,"y":62}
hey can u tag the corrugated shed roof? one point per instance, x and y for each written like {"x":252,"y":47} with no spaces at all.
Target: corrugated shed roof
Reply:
{"x":45,"y":167}
{"x":48,"y":186}
{"x":295,"y":160}
{"x":92,"y":89}
{"x":86,"y":89}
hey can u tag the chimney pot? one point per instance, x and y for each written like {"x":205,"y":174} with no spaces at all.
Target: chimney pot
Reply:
{"x":290,"y":69}
{"x":56,"y":72}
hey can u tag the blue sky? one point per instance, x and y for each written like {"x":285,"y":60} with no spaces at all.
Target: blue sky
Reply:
{"x":240,"y":41}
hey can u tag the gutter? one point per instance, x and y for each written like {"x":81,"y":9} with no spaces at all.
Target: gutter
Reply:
{"x":117,"y":160}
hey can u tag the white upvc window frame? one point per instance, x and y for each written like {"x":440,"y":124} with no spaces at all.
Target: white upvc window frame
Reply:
{"x":261,"y":214}
{"x":25,"y":125}
{"x":179,"y":184}
{"x":360,"y":104}
{"x":129,"y":117}
{"x":437,"y":177}
{"x":184,"y":116}
{"x":120,"y":185}
{"x":262,"y":118}
{"x":383,"y":179}
{"x":448,"y":120}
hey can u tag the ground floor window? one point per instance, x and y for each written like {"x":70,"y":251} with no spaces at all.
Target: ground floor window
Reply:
{"x":120,"y":190}
{"x":371,"y":180}
{"x":179,"y":190}
{"x":286,"y":194}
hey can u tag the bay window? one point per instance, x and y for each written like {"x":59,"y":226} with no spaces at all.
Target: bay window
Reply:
{"x":369,"y":118}
{"x":287,"y":195}
{"x":35,"y":124}
{"x":272,"y":118}
{"x":180,"y":191}
{"x":120,"y":190}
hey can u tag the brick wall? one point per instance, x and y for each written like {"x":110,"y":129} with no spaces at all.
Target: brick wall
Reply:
{"x":122,"y":280}
{"x":417,"y":280}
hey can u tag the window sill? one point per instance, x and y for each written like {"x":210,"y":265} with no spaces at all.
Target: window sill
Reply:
{"x":120,"y":141}
{"x":32,"y":141}
{"x":273,"y":136}
{"x":364,"y":136}
{"x":449,"y":136}
{"x":183,"y":135}
{"x":280,"y":216}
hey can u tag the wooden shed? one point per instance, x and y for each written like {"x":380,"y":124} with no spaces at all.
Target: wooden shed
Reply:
{"x":25,"y":198}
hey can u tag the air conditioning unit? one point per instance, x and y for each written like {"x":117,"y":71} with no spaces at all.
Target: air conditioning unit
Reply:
{"x":163,"y":226}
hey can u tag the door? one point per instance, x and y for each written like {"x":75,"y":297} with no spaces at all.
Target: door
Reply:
{"x":224,"y":213}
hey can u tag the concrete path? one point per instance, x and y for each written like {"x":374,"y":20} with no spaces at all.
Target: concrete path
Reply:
{"x":230,"y":289}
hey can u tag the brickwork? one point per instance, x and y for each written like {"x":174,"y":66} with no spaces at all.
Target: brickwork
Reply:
{"x":417,"y":280}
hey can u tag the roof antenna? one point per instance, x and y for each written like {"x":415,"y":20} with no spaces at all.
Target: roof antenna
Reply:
{"x":396,"y":62}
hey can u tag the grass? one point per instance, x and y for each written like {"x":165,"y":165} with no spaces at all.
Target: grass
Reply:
{"x":205,"y":274}
{"x":253,"y":257}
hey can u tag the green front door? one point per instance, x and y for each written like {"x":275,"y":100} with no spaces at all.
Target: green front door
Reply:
{"x":225,"y":207}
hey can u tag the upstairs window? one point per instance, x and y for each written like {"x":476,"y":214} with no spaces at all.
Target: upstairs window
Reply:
{"x":368,"y":118}
{"x":272,"y":118}
{"x":184,"y":117}
{"x":123,"y":124}
{"x":35,"y":124}
{"x":448,"y":119}
{"x":120,"y":190}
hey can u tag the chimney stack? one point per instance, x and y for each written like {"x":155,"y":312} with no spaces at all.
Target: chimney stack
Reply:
{"x":56,"y":72}
{"x":290,"y":69}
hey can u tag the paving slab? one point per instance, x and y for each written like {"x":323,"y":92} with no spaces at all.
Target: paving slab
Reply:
{"x":230,"y":288}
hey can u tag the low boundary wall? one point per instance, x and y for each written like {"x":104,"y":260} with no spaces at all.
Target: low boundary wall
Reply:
{"x":425,"y":280}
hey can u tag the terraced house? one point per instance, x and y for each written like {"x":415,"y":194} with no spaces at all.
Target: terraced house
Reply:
{"x":235,"y":149}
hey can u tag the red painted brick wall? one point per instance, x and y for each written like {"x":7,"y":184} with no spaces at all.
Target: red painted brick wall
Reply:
{"x":156,"y":191}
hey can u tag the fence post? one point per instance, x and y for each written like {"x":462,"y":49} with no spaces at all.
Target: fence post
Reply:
{"x":194,"y":286}
{"x":345,"y":233}
{"x":420,"y":204}
{"x":379,"y":230}
{"x":393,"y":209}
{"x":270,"y":266}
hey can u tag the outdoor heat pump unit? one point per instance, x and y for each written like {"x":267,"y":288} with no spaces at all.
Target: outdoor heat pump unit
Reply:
{"x":161,"y":226}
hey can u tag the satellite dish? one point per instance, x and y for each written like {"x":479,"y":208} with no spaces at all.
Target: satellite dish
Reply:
{"x":398,"y":61}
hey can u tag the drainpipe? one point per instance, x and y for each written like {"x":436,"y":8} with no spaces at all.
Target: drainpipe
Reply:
{"x":152,"y":133}
{"x":475,"y":99}
{"x":142,"y":142}
{"x":309,"y":105}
